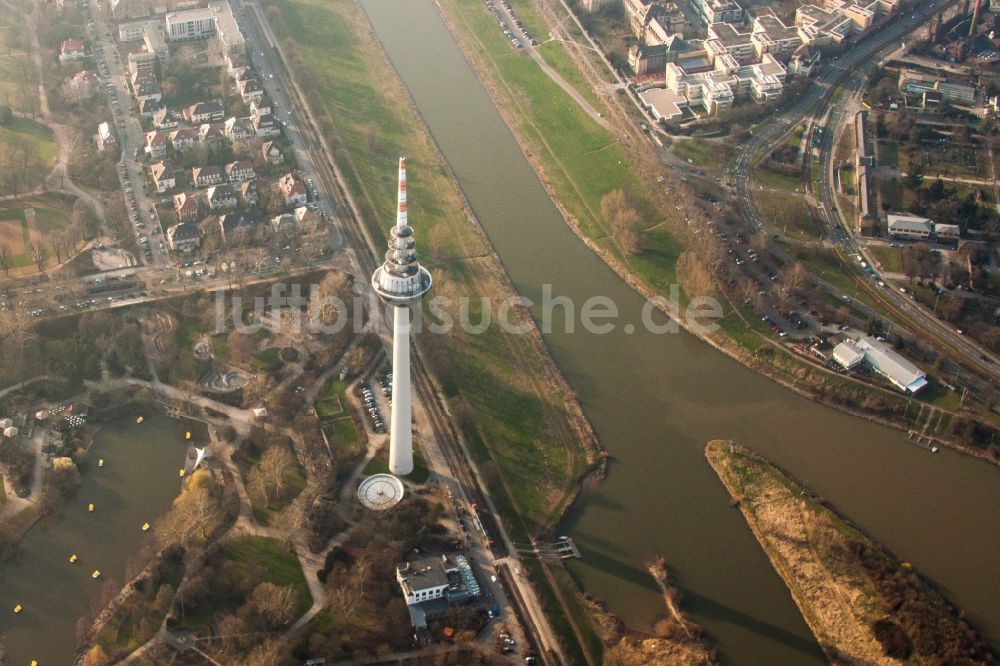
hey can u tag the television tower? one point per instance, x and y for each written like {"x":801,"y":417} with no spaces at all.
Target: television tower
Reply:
{"x":400,"y":281}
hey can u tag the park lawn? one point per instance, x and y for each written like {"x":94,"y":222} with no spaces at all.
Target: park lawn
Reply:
{"x":779,"y":181}
{"x":888,"y":154}
{"x":35,"y":134}
{"x":891,"y":190}
{"x":791,"y":213}
{"x":267,"y":360}
{"x":220,"y":346}
{"x":259,"y":560}
{"x":14,"y":66}
{"x":49,"y":220}
{"x":344,"y":430}
{"x":188,"y":331}
{"x":265,"y":560}
{"x":554,"y":53}
{"x":380,"y":465}
{"x":294,"y":478}
{"x":891,"y":258}
{"x":329,"y":407}
{"x":702,"y":153}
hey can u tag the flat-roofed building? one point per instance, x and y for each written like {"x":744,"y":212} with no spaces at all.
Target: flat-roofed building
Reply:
{"x":431,"y":584}
{"x":718,"y":11}
{"x":947,"y":232}
{"x":662,"y":103}
{"x":884,"y":360}
{"x":234,"y":43}
{"x":919,"y":83}
{"x":848,"y":355}
{"x":912,"y":227}
{"x":738,"y":44}
{"x":772,"y":36}
{"x":190,"y":24}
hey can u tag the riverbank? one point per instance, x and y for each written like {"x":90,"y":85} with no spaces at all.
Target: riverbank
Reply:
{"x":549,"y":147}
{"x":862,"y":604}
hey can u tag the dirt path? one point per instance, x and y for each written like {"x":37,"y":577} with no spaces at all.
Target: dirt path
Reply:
{"x":58,"y":179}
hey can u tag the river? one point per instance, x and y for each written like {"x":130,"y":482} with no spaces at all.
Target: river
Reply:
{"x":137,"y":483}
{"x":656,"y":400}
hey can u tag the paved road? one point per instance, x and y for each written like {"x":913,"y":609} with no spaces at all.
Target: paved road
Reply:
{"x":851,"y":71}
{"x":130,"y":137}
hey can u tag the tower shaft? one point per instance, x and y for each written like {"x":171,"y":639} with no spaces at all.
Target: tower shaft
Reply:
{"x":400,"y":426}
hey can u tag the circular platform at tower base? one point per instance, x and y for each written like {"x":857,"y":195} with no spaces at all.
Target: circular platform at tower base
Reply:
{"x":380,"y":492}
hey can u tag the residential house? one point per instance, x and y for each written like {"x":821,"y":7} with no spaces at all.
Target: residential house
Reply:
{"x":183,"y":138}
{"x":221,"y":197}
{"x":239,"y":171}
{"x":204,"y":112}
{"x":250,"y":90}
{"x":234,"y":225}
{"x":261,"y":106}
{"x":248,"y":192}
{"x":156,"y":144}
{"x":266,"y":125}
{"x":283,"y":223}
{"x":149,"y":107}
{"x":186,"y":207}
{"x":206,"y":176}
{"x":308,"y":220}
{"x":106,"y":135}
{"x":184,"y":237}
{"x":166,"y":119}
{"x":211,"y":133}
{"x":237,"y":129}
{"x":82,"y":85}
{"x":71,"y":49}
{"x":149,"y":90}
{"x":272,"y":153}
{"x":163,"y":176}
{"x":293,"y":190}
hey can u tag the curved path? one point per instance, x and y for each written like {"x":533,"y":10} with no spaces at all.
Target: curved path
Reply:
{"x":58,"y":179}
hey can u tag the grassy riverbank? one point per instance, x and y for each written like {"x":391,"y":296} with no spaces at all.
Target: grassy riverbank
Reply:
{"x":523,"y":425}
{"x":863,"y":605}
{"x":580,"y":163}
{"x":509,"y":388}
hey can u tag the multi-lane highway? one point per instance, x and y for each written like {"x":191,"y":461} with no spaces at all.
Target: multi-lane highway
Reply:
{"x":849,"y":74}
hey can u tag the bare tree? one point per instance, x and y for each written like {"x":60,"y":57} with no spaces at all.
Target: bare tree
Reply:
{"x":5,"y":259}
{"x":794,"y":276}
{"x":622,"y":219}
{"x":275,"y":465}
{"x":37,"y":252}
{"x":275,"y":604}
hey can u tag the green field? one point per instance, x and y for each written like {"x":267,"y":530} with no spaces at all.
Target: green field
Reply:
{"x":789,"y":213}
{"x":698,"y":152}
{"x":35,"y":134}
{"x":419,"y":475}
{"x":267,"y":360}
{"x":522,"y":424}
{"x":47,"y":221}
{"x":888,"y":154}
{"x":775,"y":180}
{"x":18,"y":76}
{"x":891,"y":258}
{"x":258,"y":560}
